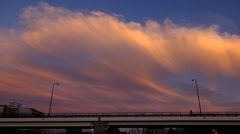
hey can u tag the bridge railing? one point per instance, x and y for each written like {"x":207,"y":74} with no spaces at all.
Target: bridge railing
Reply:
{"x":144,"y":114}
{"x":129,"y":114}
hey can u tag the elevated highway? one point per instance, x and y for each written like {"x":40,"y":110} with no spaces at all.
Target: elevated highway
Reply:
{"x":117,"y":121}
{"x":102,"y":121}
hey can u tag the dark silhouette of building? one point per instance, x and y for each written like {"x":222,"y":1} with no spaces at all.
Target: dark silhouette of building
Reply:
{"x":6,"y":111}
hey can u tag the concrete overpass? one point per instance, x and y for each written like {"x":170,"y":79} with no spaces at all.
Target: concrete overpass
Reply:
{"x":117,"y":121}
{"x":102,"y":122}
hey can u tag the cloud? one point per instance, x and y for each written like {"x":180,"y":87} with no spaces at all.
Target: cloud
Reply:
{"x":104,"y":64}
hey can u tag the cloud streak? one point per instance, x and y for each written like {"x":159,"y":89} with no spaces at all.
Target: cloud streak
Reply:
{"x":104,"y":64}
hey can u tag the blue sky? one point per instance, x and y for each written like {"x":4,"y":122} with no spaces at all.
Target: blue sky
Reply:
{"x":120,"y":56}
{"x":190,"y":13}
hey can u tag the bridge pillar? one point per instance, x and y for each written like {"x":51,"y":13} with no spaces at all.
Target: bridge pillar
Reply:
{"x":99,"y":127}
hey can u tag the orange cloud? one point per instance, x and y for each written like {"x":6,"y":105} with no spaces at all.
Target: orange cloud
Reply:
{"x":105,"y":64}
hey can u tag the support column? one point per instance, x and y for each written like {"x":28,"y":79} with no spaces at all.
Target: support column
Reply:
{"x":99,"y":127}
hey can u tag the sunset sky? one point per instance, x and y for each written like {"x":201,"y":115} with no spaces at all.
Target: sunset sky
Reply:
{"x":120,"y":56}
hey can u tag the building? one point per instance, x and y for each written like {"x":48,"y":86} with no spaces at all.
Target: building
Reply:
{"x":29,"y":112}
{"x":6,"y":111}
{"x":15,"y":105}
{"x":16,"y":109}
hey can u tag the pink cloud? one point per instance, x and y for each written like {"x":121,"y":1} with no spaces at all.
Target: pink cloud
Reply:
{"x":104,"y":64}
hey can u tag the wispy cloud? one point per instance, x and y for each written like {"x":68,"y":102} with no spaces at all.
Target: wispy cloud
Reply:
{"x":104,"y":64}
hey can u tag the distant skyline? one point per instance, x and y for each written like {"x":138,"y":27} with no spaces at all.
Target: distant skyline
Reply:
{"x":120,"y":56}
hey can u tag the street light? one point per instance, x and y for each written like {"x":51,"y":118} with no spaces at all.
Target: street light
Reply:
{"x":198,"y":96}
{"x":51,"y":98}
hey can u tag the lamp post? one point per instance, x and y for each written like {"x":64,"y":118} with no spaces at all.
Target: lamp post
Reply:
{"x":51,"y":98}
{"x":198,"y":96}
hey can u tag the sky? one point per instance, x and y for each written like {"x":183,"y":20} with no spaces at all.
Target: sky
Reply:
{"x":120,"y":56}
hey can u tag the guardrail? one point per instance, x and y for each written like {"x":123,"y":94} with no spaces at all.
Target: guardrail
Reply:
{"x":130,"y":114}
